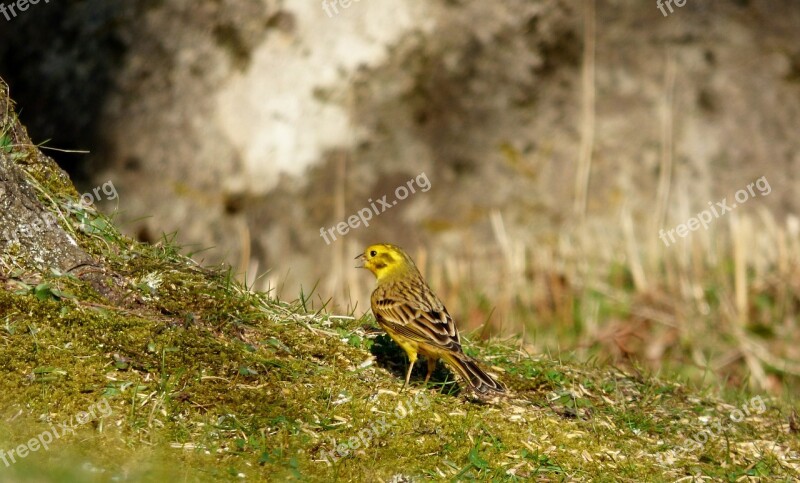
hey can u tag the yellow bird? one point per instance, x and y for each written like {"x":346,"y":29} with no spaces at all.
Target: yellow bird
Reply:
{"x":408,"y":310}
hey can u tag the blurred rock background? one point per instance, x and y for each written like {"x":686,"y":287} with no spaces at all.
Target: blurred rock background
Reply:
{"x":559,"y":137}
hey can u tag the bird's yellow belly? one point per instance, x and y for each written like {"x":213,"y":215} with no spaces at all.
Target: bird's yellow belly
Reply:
{"x":411,"y":347}
{"x":414,"y":348}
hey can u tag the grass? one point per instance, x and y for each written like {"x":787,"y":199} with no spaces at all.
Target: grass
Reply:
{"x":719,"y":308}
{"x":206,"y":380}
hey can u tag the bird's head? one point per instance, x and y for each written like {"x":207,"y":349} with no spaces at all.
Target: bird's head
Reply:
{"x":386,"y":261}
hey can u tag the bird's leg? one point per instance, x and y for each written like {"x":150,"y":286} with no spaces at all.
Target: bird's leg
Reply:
{"x":431,"y":367}
{"x":408,"y":374}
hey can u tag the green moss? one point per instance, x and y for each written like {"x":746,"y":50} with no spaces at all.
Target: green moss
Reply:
{"x":206,"y":381}
{"x":206,"y":377}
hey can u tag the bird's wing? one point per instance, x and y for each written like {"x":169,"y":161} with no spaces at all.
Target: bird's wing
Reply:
{"x":422,"y":318}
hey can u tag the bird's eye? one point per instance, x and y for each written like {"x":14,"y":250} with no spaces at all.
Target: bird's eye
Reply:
{"x":373,"y":253}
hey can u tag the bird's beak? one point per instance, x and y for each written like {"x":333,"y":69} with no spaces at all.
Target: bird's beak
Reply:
{"x":361,"y":258}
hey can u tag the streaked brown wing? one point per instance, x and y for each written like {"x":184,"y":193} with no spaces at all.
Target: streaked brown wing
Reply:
{"x":422,"y":317}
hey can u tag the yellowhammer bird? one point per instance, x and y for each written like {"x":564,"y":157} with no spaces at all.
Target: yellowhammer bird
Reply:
{"x":407,"y":309}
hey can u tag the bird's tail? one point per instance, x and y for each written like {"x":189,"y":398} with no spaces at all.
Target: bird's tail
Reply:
{"x":477,"y":378}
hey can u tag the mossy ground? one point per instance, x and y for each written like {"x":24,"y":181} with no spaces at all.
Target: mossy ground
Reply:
{"x":208,"y":381}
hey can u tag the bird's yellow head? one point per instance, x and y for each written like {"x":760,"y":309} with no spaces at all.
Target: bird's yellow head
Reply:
{"x":386,"y":261}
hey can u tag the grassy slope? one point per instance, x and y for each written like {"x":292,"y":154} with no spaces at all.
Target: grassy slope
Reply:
{"x":206,"y":380}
